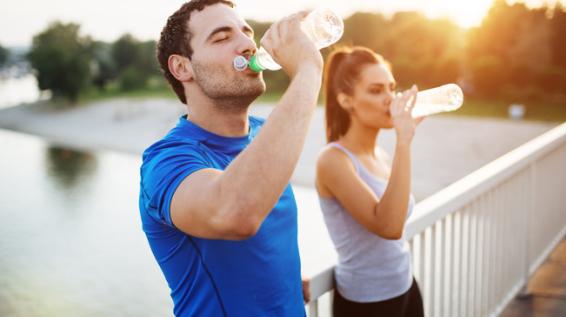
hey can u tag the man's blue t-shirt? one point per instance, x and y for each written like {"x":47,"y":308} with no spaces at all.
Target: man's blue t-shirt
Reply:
{"x":259,"y":276}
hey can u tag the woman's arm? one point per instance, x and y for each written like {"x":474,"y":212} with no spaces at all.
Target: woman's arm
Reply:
{"x":337,"y":177}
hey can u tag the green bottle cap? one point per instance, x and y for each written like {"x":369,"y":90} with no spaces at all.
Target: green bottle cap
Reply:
{"x":254,"y":65}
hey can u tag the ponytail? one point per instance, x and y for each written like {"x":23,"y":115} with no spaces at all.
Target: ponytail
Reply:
{"x":341,"y":73}
{"x":337,"y":119}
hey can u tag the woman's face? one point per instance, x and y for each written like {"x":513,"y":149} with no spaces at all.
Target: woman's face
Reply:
{"x":372,"y":96}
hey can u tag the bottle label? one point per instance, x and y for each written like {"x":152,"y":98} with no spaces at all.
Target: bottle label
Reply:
{"x":254,"y":65}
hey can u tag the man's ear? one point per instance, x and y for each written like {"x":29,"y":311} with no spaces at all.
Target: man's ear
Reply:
{"x":344,"y":101}
{"x":180,"y":67}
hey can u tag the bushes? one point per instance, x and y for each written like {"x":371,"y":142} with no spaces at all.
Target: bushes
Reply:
{"x":4,"y":54}
{"x":132,"y":78}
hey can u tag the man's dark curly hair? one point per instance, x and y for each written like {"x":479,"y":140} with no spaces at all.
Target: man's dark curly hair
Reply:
{"x":175,"y":39}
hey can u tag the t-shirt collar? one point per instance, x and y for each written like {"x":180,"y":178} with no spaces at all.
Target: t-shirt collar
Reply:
{"x":188,"y":129}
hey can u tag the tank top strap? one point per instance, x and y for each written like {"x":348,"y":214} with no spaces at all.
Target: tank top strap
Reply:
{"x":351,"y":155}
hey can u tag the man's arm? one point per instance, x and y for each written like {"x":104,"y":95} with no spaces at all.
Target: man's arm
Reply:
{"x":233,"y":203}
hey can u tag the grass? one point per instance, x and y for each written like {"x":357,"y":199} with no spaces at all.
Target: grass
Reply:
{"x":94,"y":95}
{"x":113,"y":93}
{"x":535,"y":111}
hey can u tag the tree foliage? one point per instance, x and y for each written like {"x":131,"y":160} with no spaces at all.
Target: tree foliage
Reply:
{"x":4,"y":54}
{"x":104,"y":66}
{"x":517,"y":53}
{"x":61,"y":58}
{"x":134,"y":61}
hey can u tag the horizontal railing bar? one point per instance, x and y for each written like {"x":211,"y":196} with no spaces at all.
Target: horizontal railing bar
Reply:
{"x":462,"y":192}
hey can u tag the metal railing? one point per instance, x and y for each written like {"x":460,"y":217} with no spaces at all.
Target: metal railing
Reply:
{"x":475,"y":243}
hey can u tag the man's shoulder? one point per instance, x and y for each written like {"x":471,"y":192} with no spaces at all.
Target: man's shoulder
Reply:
{"x":169,"y":150}
{"x":171,"y":145}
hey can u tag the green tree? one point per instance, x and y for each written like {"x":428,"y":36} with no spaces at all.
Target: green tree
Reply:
{"x":134,"y":61}
{"x":422,"y":51}
{"x":365,"y":29}
{"x":4,"y":54}
{"x":125,"y":52}
{"x":276,"y":82}
{"x":510,"y":54}
{"x":104,"y":67}
{"x":558,"y":33}
{"x":556,"y":80}
{"x":61,"y":58}
{"x":146,"y":61}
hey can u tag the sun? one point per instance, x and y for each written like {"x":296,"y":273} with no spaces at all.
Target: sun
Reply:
{"x":467,"y":13}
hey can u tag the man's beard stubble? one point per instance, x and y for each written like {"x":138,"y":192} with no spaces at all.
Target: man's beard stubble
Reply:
{"x":231,"y":92}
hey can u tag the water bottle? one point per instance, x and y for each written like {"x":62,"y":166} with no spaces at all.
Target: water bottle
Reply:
{"x":447,"y":97}
{"x":322,"y":26}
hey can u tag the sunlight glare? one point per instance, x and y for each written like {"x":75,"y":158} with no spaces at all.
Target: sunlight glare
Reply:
{"x":464,"y":13}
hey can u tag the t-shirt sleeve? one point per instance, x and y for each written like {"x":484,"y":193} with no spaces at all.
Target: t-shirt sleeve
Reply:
{"x":161,"y":176}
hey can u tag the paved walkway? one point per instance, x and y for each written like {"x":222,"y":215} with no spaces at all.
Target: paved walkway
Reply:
{"x":546,"y":289}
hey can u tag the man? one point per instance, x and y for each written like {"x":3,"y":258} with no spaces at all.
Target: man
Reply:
{"x":215,"y":202}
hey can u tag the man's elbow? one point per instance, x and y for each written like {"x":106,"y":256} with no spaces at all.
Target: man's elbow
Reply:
{"x":241,"y":223}
{"x":245,"y":229}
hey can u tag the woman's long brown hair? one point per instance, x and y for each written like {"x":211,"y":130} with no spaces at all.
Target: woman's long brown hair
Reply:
{"x":341,"y":73}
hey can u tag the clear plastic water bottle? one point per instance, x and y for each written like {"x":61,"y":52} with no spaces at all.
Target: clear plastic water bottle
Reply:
{"x":322,"y":26}
{"x":447,"y":97}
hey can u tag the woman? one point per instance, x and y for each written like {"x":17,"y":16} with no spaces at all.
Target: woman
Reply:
{"x":364,"y":202}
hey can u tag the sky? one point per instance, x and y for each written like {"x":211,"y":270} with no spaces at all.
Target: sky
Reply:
{"x":106,"y":20}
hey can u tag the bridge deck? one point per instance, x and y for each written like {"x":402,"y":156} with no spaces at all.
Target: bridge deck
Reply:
{"x":546,"y":289}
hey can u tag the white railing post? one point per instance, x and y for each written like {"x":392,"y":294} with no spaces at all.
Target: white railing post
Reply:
{"x":313,"y":308}
{"x":530,"y":211}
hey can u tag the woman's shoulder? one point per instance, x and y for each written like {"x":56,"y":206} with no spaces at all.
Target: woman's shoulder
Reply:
{"x":332,"y":165}
{"x":332,"y":160}
{"x":331,"y":155}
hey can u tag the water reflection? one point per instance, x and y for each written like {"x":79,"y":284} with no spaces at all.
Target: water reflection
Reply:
{"x":70,"y":236}
{"x":69,"y":167}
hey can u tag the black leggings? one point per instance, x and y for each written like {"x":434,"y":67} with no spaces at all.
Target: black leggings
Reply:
{"x":409,"y":304}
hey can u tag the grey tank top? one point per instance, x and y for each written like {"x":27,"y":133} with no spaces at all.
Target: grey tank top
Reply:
{"x":369,"y":267}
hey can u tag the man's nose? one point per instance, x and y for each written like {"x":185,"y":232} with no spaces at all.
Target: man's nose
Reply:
{"x":246,"y":46}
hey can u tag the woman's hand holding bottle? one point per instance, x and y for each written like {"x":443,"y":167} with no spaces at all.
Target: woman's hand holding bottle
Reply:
{"x":401,"y":107}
